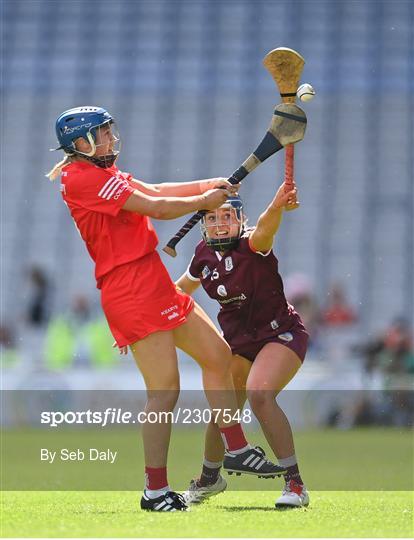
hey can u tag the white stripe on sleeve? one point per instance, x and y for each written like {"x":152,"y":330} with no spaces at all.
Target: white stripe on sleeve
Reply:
{"x":187,"y":272}
{"x":113,"y":189}
{"x":263,"y":254}
{"x":107,"y":185}
{"x":190,"y":276}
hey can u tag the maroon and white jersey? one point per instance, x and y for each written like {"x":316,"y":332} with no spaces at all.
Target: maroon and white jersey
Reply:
{"x":249,"y":289}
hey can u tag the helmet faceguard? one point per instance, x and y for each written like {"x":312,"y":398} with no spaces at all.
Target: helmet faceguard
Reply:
{"x":87,"y":123}
{"x":218,"y":221}
{"x":93,"y":137}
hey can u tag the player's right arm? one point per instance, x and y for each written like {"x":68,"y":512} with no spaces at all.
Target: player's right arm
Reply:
{"x":173,"y":207}
{"x":190,"y":280}
{"x":187,"y":285}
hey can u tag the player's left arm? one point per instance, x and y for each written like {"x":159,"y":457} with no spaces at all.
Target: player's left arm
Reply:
{"x":182,"y":189}
{"x":261,"y":239}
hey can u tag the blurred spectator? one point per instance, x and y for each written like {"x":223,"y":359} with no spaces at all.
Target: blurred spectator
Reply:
{"x":299,"y":292}
{"x":391,"y":357}
{"x":398,"y":354}
{"x":392,"y":351}
{"x":38,"y":308}
{"x":337,"y":311}
{"x":9,"y":352}
{"x":78,"y":338}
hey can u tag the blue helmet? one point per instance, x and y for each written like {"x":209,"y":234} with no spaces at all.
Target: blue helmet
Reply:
{"x":83,"y":122}
{"x":228,"y":242}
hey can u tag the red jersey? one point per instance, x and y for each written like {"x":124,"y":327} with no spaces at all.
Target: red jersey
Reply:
{"x":95,"y":197}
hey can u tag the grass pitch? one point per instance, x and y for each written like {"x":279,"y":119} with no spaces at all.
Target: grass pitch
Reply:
{"x":232,"y":514}
{"x":354,"y":461}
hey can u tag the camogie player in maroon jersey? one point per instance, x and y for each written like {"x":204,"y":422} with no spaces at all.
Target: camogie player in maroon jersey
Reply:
{"x":237,"y":267}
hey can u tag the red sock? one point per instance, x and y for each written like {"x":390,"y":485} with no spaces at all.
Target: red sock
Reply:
{"x":155,"y":478}
{"x":233,"y":437}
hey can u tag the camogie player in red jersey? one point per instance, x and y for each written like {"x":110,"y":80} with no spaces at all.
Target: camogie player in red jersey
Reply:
{"x":237,"y":267}
{"x":143,"y":308}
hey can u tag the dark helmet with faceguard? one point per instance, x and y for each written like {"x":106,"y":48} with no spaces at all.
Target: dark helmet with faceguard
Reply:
{"x":227,"y":242}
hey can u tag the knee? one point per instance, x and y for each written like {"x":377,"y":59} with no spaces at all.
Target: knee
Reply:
{"x":260,"y":399}
{"x":220,"y":360}
{"x":163,"y":400}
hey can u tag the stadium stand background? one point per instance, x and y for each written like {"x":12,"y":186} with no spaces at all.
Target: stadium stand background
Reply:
{"x":185,"y":83}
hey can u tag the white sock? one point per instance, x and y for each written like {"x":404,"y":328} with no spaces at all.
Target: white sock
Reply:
{"x":155,"y":493}
{"x":212,"y":464}
{"x":288,"y":462}
{"x":240,"y":450}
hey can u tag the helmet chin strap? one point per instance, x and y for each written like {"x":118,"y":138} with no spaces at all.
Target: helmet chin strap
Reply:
{"x":91,"y":141}
{"x":102,"y":161}
{"x":223,"y":245}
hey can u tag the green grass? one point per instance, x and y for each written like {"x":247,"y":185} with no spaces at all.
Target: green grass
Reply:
{"x":232,"y":514}
{"x":369,"y":473}
{"x":360,"y":459}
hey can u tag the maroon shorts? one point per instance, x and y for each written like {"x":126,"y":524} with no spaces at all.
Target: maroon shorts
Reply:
{"x":296,"y":339}
{"x":139,"y":298}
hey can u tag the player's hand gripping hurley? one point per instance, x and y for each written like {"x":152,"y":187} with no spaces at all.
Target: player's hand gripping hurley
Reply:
{"x":287,"y":127}
{"x":285,"y":66}
{"x":266,"y":148}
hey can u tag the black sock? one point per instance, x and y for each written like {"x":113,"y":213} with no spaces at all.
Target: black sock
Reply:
{"x":293,"y":474}
{"x":210,"y":472}
{"x":291,"y":465}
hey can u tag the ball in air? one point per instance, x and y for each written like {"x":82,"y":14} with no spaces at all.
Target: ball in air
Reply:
{"x":305,"y":92}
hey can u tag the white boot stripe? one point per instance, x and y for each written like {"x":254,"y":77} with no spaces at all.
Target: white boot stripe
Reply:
{"x":160,"y":505}
{"x":259,"y":464}
{"x":247,"y":460}
{"x":256,"y":460}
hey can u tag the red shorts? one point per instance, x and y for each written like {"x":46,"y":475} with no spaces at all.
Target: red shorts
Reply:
{"x":139,"y":298}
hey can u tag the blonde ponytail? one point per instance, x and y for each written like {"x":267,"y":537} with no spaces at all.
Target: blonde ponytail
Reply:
{"x":57,"y":169}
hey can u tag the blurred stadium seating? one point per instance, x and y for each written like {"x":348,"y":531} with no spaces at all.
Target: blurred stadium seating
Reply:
{"x":185,"y":82}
